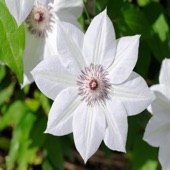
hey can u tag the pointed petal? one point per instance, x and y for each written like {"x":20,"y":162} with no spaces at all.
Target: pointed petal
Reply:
{"x":40,"y":48}
{"x":125,"y":60}
{"x":45,"y":2}
{"x":157,"y":129}
{"x":88,"y":129}
{"x":61,"y":113}
{"x":164,"y":155}
{"x":69,"y":46}
{"x":164,"y":77}
{"x":134,"y":94}
{"x":51,"y":77}
{"x":116,"y":132}
{"x":20,"y":9}
{"x":160,"y":106}
{"x":99,"y":41}
{"x":67,"y":17}
{"x":32,"y":57}
{"x":72,"y":7}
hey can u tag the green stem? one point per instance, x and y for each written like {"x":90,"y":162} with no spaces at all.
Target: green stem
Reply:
{"x":85,"y":9}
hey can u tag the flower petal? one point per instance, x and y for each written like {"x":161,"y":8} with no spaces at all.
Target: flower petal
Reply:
{"x":125,"y":59}
{"x":40,"y":48}
{"x":157,"y":129}
{"x":45,"y":2}
{"x":134,"y":94}
{"x":164,"y":154}
{"x":160,"y":106}
{"x":61,"y":113}
{"x":69,"y":46}
{"x":99,"y":41}
{"x":88,"y":129}
{"x":116,"y":132}
{"x":73,"y":7}
{"x":65,"y":16}
{"x":164,"y":77}
{"x":20,"y":9}
{"x":51,"y":77}
{"x":158,"y":126}
{"x":32,"y":57}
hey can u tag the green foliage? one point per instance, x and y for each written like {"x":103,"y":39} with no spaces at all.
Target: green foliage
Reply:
{"x":11,"y":42}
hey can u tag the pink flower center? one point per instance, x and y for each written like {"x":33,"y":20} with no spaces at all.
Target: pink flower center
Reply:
{"x":94,"y":86}
{"x":39,"y":22}
{"x":39,"y":16}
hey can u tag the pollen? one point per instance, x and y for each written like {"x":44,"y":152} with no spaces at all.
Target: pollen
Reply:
{"x":37,"y":16}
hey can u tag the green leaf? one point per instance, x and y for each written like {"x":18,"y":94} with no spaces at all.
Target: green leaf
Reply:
{"x":6,"y":92}
{"x":159,"y":39}
{"x":135,"y":21}
{"x":55,"y":154}
{"x":144,"y":59}
{"x":11,"y":42}
{"x":13,"y":115}
{"x":145,"y":157}
{"x":20,"y":151}
{"x":101,"y":5}
{"x":2,"y":72}
{"x":143,"y":2}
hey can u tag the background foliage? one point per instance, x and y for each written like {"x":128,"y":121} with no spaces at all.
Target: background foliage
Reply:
{"x":23,"y":113}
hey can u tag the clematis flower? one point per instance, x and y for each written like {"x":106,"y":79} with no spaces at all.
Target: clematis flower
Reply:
{"x":93,"y":86}
{"x":40,"y":18}
{"x":157,"y":132}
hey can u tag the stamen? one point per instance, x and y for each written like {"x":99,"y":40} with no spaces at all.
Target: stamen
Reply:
{"x":39,"y":22}
{"x":94,"y":85}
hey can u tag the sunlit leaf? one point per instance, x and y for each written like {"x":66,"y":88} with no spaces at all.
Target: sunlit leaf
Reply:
{"x":11,"y":42}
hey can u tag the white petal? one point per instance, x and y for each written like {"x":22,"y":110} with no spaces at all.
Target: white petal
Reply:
{"x":69,"y":46}
{"x":164,"y":155}
{"x":33,"y":54}
{"x":36,"y":49}
{"x":20,"y":9}
{"x":157,"y":129}
{"x":61,"y":113}
{"x":51,"y":77}
{"x":45,"y":2}
{"x":99,"y":41}
{"x":125,"y":60}
{"x":67,"y":17}
{"x":134,"y":94}
{"x":88,"y":129}
{"x":116,"y":132}
{"x":73,"y":7}
{"x":164,"y":77}
{"x":161,"y":104}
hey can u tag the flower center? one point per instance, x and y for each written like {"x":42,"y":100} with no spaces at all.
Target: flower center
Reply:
{"x":39,"y":22}
{"x":94,"y":86}
{"x":38,"y":17}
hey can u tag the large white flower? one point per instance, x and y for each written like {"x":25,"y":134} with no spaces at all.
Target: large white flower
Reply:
{"x":93,"y":86}
{"x":40,"y":18}
{"x":157,"y":132}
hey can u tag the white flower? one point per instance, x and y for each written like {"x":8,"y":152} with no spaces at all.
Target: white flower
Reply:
{"x":40,"y":18}
{"x":93,"y":86}
{"x":66,"y":9}
{"x":157,"y":132}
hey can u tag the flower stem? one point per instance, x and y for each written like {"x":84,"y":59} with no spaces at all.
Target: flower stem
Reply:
{"x":86,"y":11}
